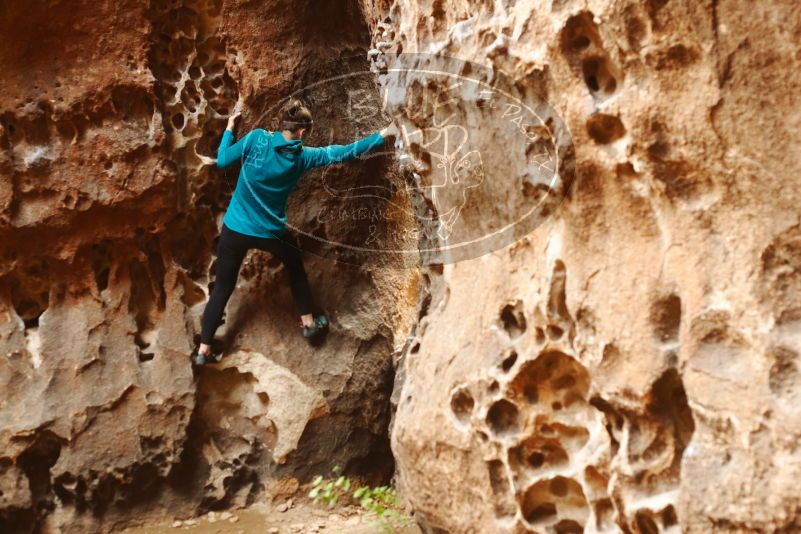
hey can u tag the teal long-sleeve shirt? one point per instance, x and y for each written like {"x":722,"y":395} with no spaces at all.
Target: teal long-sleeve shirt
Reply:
{"x":271,"y":167}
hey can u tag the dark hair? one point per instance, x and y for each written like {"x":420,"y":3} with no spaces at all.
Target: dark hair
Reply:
{"x":296,"y":116}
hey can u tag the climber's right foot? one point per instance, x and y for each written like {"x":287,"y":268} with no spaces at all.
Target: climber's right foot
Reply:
{"x":199,"y":359}
{"x":319,"y":326}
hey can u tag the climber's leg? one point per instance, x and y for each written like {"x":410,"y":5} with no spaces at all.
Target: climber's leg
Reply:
{"x":287,"y":250}
{"x":231,"y":250}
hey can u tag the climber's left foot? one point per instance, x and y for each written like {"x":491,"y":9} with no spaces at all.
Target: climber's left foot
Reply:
{"x":199,"y":358}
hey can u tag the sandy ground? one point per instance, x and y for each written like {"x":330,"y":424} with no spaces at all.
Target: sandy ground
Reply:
{"x":264,"y":519}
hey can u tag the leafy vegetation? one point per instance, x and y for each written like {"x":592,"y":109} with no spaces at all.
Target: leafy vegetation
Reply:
{"x":381,"y":501}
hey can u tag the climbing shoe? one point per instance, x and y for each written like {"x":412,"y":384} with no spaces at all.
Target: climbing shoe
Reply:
{"x":204,"y":359}
{"x":320,"y":324}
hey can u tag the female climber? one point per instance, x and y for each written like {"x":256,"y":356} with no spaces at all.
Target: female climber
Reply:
{"x":272,"y":163}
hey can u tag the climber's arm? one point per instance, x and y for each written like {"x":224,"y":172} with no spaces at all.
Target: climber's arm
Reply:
{"x":229,"y":153}
{"x":326,"y":155}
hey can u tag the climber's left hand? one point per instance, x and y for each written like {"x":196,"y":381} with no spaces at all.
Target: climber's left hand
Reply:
{"x":391,"y":130}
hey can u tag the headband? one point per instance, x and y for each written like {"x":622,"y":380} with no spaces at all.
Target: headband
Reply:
{"x":298,"y":123}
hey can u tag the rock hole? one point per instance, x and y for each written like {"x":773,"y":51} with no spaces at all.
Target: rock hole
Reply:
{"x":605,"y":129}
{"x":554,"y":332}
{"x":509,"y":361}
{"x":598,"y":76}
{"x":669,"y":403}
{"x":66,"y":129}
{"x":660,"y":148}
{"x":568,"y":526}
{"x":669,"y":517}
{"x":139,"y":341}
{"x":666,"y":318}
{"x":30,"y":308}
{"x":514,"y":322}
{"x":564,"y":382}
{"x":536,"y":191}
{"x":604,"y":513}
{"x":559,"y":486}
{"x":190,"y":98}
{"x":537,"y":452}
{"x":579,"y":32}
{"x":462,"y":405}
{"x":503,"y":418}
{"x":215,"y":67}
{"x":595,"y":479}
{"x":539,"y":335}
{"x":645,"y":524}
{"x":415,"y":348}
{"x":580,"y":43}
{"x":178,"y":121}
{"x":101,"y":260}
{"x":636,"y":30}
{"x":494,"y":387}
{"x":33,"y":322}
{"x":531,"y":394}
{"x":676,"y":57}
{"x":147,"y":297}
{"x":592,"y":82}
{"x":557,"y":297}
{"x":536,"y":380}
{"x":540,"y":512}
{"x":541,"y":501}
{"x":611,"y":355}
{"x":653,"y":7}
{"x":36,"y":461}
{"x":101,"y":278}
{"x":536,"y":459}
{"x":783,"y":375}
{"x":145,"y":356}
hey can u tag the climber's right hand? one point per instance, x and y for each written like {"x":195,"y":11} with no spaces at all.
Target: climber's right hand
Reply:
{"x":235,"y":114}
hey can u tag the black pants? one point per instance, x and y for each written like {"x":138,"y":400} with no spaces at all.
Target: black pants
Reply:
{"x":231,"y":250}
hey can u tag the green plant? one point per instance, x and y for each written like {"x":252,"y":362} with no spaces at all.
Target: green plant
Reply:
{"x":330,"y":491}
{"x":382,"y":501}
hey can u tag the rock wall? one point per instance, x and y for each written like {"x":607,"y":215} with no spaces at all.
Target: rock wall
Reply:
{"x":108,"y":218}
{"x":632,"y":364}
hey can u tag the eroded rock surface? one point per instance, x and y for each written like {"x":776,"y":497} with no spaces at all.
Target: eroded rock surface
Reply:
{"x":108,"y":214}
{"x":632,"y":364}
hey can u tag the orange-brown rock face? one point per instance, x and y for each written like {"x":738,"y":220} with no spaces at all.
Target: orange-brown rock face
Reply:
{"x":628,"y":365}
{"x":108,"y":214}
{"x":632,"y":364}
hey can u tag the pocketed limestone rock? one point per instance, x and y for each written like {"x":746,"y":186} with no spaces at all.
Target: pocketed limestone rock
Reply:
{"x":630,"y":364}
